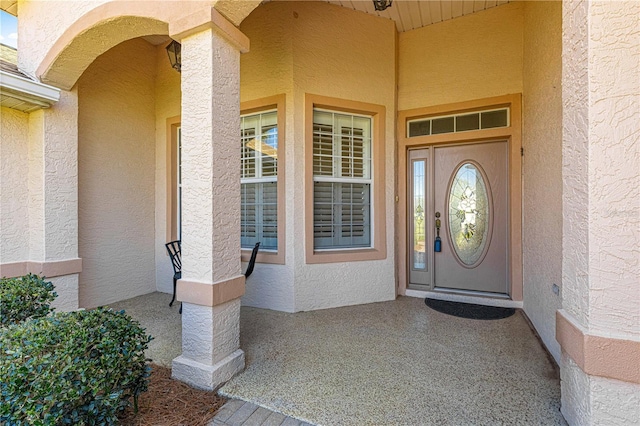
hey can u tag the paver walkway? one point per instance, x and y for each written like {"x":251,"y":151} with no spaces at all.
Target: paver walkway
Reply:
{"x":237,"y":412}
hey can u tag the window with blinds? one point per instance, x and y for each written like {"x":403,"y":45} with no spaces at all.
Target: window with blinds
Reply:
{"x":341,"y":180}
{"x":259,"y":176}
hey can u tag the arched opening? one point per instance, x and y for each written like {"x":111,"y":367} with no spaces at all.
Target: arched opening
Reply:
{"x":115,"y":22}
{"x":121,"y":98}
{"x":81,"y":44}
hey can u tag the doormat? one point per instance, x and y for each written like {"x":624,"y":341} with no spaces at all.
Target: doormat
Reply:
{"x":469,"y":310}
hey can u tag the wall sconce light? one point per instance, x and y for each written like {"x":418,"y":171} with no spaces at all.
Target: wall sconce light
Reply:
{"x":382,"y":4}
{"x":174,"y":50}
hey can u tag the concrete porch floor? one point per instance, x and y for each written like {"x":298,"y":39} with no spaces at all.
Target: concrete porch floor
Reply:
{"x":385,"y":363}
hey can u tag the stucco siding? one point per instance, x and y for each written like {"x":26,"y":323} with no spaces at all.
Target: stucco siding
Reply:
{"x":267,"y":70}
{"x":116,"y":174}
{"x":59,"y":177}
{"x":36,"y":183}
{"x":542,"y":167}
{"x":53,"y":25}
{"x":210,"y":158}
{"x":575,"y":400}
{"x":14,"y":188}
{"x":167,"y":105}
{"x":615,"y":402}
{"x":348,"y":55}
{"x":471,"y":57}
{"x":601,"y":176}
{"x":300,"y":48}
{"x":575,"y":109}
{"x":47,"y":22}
{"x":614,"y":168}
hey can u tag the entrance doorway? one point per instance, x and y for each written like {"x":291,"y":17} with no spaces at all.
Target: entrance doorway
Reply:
{"x":458,"y":217}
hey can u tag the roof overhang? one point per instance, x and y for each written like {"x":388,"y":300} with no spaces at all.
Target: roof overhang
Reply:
{"x":24,"y":94}
{"x":9,"y":6}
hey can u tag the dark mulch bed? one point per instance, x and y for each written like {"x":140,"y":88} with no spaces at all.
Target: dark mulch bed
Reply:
{"x":170,"y":402}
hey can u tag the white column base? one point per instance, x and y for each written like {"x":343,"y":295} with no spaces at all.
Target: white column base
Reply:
{"x":207,"y":377}
{"x":594,"y":400}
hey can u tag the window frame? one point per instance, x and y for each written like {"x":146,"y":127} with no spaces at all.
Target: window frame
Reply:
{"x":172,"y":214}
{"x":256,"y":106}
{"x":377,"y":113}
{"x":336,"y":177}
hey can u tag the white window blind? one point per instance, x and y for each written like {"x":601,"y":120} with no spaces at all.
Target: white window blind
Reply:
{"x":259,"y":175}
{"x":342,"y":180}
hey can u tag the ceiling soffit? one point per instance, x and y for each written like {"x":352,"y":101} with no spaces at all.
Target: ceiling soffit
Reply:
{"x":411,"y":14}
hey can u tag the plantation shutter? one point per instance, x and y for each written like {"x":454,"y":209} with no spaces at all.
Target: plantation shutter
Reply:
{"x":258,"y":183}
{"x":342,"y":180}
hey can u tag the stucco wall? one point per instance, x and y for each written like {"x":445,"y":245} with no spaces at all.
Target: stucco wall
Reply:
{"x":343,"y":54}
{"x":615,"y":402}
{"x":49,"y":20}
{"x":601,"y":175}
{"x":601,"y":167}
{"x":307,"y":47}
{"x":542,"y":167}
{"x":14,"y":189}
{"x":575,"y":100}
{"x":267,"y":70}
{"x":37,"y":190}
{"x":614,"y":195}
{"x":167,"y":87}
{"x":117,"y":174}
{"x":471,"y":57}
{"x":614,"y":168}
{"x":36,"y":185}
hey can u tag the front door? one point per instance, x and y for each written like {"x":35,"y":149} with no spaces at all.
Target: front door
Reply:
{"x":463,"y":188}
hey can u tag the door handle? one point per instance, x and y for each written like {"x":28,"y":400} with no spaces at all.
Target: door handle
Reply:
{"x":437,"y":244}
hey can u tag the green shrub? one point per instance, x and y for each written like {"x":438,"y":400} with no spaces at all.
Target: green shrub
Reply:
{"x":23,"y":298}
{"x":79,"y":368}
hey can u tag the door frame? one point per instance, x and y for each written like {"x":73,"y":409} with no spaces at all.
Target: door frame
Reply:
{"x":512,"y":134}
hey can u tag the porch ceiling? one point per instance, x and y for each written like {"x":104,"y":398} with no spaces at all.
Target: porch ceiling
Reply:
{"x":407,"y":14}
{"x":412,"y":14}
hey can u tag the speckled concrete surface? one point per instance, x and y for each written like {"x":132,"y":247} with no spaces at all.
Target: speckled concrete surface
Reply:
{"x":162,"y":322}
{"x":396,"y":363}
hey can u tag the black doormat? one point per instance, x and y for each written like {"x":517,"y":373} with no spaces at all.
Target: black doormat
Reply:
{"x":469,"y":310}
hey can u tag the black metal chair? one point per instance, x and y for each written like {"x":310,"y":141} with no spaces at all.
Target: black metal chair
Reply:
{"x":173,"y":248}
{"x":252,"y":260}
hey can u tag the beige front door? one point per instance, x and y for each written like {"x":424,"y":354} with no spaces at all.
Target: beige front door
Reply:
{"x":466,"y":186}
{"x":470,"y":193}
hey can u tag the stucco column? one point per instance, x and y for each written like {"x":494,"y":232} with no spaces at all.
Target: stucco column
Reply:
{"x":53,"y":197}
{"x":598,"y":326}
{"x":212,"y":282}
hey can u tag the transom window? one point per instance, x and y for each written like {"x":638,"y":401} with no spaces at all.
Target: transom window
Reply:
{"x":259,"y":176}
{"x":487,"y":119}
{"x":342,"y":180}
